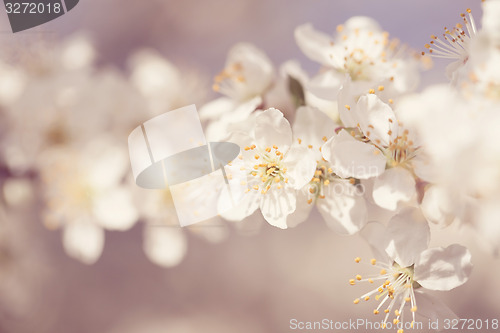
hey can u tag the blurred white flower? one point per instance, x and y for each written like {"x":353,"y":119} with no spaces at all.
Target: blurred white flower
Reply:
{"x":244,"y":81}
{"x":408,"y":267}
{"x":360,"y":52}
{"x":164,"y":86}
{"x":84,"y":195}
{"x":277,"y":168}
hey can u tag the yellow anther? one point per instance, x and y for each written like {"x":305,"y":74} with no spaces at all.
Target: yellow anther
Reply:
{"x":370,"y":280}
{"x":325,"y":138}
{"x":375,"y":311}
{"x":377,"y":297}
{"x":309,"y":146}
{"x":380,"y":289}
{"x":257,"y":156}
{"x":371,"y":91}
{"x":358,"y":277}
{"x":264,"y":179}
{"x":330,"y":170}
{"x":286,"y":180}
{"x":263,"y":191}
{"x":326,"y":182}
{"x":347,"y":106}
{"x":278,"y":152}
{"x":268,"y":149}
{"x":299,"y":140}
{"x":277,"y":179}
{"x":391,"y":101}
{"x":253,"y":173}
{"x":380,"y":88}
{"x":383,"y":272}
{"x":255,"y":187}
{"x":367,"y":298}
{"x":395,"y":321}
{"x":357,"y":259}
{"x":407,"y":299}
{"x":253,"y":146}
{"x":414,"y":309}
{"x":275,"y":147}
{"x":279,"y":187}
{"x":356,"y":301}
{"x":340,"y":28}
{"x":468,"y":10}
{"x":396,"y":312}
{"x":284,"y":170}
{"x":352,"y":282}
{"x":312,"y":190}
{"x":247,"y":148}
{"x":401,"y":330}
{"x":373,"y":261}
{"x":315,"y":179}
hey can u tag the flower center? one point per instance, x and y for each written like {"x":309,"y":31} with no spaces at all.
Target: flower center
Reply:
{"x":395,"y":292}
{"x":456,"y":42}
{"x":400,"y":150}
{"x":228,"y":78}
{"x":269,"y":169}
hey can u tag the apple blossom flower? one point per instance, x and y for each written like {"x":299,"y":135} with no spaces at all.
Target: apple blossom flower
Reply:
{"x":455,"y":44}
{"x":407,"y":267}
{"x":378,"y":146}
{"x":277,"y":168}
{"x":340,"y":201}
{"x":84,"y":195}
{"x":244,"y":81}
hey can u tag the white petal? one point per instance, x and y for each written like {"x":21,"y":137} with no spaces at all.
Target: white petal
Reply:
{"x":409,"y":235}
{"x":302,"y":210}
{"x":393,"y":186}
{"x":376,"y":119}
{"x":437,"y":207}
{"x":443,"y":268}
{"x":376,"y":235}
{"x":361,"y":23}
{"x":301,"y":164}
{"x":83,"y":240}
{"x":216,"y":108}
{"x":276,"y":205}
{"x":273,"y":129}
{"x":433,"y":309}
{"x":311,"y":125}
{"x":325,"y":85}
{"x":313,"y":43}
{"x":246,"y":207}
{"x":352,"y":158}
{"x":115,"y":209}
{"x":343,"y":208}
{"x":165,"y":246}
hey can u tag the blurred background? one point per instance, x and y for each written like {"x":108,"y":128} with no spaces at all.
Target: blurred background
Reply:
{"x":244,"y":282}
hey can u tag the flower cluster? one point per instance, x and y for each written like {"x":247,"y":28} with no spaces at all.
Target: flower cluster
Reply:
{"x":354,"y":141}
